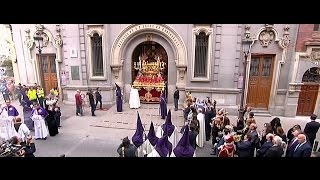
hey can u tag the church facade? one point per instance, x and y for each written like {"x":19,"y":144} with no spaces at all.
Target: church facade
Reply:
{"x":204,"y":59}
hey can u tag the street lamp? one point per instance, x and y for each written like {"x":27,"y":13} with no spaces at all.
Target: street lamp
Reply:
{"x":39,"y":40}
{"x":246,"y":44}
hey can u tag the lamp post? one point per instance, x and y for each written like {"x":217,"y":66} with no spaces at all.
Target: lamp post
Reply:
{"x":246,"y":44}
{"x":39,"y":45}
{"x":39,"y":39}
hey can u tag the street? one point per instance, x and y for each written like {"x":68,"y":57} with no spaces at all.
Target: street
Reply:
{"x":100,"y":136}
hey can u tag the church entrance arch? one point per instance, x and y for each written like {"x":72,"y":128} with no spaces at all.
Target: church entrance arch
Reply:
{"x":149,"y":69}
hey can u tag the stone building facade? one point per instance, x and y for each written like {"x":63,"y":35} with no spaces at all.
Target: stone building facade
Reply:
{"x":205,"y":59}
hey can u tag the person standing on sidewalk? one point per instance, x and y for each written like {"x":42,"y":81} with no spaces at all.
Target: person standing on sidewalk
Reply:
{"x":78,"y":103}
{"x":98,"y":98}
{"x":176,"y":99}
{"x":311,"y":129}
{"x":92,"y":102}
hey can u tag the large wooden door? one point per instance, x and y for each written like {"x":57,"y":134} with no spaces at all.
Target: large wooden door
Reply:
{"x":307,"y":99}
{"x":260,"y":80}
{"x":48,"y":73}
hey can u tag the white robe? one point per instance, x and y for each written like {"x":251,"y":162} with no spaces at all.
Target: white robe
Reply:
{"x":8,"y":124}
{"x":141,"y":150}
{"x":40,"y":128}
{"x":174,"y":138}
{"x":149,"y":147}
{"x":202,"y":133}
{"x":23,"y":132}
{"x":173,"y":155}
{"x":134,"y":99}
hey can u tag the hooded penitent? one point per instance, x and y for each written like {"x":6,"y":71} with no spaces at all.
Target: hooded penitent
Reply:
{"x":137,"y":138}
{"x":184,"y":149}
{"x":118,"y":90}
{"x":153,"y":139}
{"x":168,"y":127}
{"x":163,"y":146}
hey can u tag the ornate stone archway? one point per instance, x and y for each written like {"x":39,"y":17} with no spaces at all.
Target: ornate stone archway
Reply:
{"x":47,"y":38}
{"x":119,"y":45}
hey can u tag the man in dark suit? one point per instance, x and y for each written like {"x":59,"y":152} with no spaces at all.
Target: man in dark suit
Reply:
{"x":277,"y":149}
{"x":293,"y":143}
{"x":303,"y":149}
{"x":176,"y":99}
{"x":245,"y":148}
{"x":193,"y":136}
{"x":208,"y":116}
{"x":268,"y":144}
{"x":311,"y":129}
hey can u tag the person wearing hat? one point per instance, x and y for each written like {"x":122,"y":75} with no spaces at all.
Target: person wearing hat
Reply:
{"x":8,"y":114}
{"x":38,"y":116}
{"x":228,"y":149}
{"x":163,"y":148}
{"x":152,"y":139}
{"x":184,"y":149}
{"x":138,"y":138}
{"x":126,"y":149}
{"x":168,"y":129}
{"x":119,"y":98}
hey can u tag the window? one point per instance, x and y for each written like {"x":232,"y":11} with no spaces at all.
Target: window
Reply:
{"x":97,"y":51}
{"x":201,"y":55}
{"x":202,"y":52}
{"x":96,"y":55}
{"x":316,"y":27}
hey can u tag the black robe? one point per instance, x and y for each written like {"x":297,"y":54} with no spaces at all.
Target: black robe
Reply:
{"x":52,"y":123}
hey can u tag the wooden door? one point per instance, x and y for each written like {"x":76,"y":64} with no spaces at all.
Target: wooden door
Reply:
{"x":307,"y":99}
{"x":48,"y":73}
{"x":260,"y":81}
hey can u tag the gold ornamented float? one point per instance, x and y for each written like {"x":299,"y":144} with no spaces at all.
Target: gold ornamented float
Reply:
{"x":149,"y":81}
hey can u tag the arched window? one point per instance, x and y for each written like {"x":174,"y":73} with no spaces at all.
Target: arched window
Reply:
{"x":312,"y":75}
{"x":201,"y":55}
{"x":96,"y":55}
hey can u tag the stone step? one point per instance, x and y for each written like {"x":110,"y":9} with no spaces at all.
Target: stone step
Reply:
{"x":263,"y":114}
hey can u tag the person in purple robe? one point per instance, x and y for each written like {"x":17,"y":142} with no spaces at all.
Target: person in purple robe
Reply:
{"x":119,"y":98}
{"x":27,"y":113}
{"x":163,"y":106}
{"x":168,"y":129}
{"x":163,"y":148}
{"x":184,"y":149}
{"x":8,"y":114}
{"x":139,"y":137}
{"x":38,"y":116}
{"x":152,"y":139}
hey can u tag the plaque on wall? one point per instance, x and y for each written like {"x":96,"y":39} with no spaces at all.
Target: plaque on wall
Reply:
{"x":75,"y":75}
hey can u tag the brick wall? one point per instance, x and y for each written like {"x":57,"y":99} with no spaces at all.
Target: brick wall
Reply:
{"x":305,"y":32}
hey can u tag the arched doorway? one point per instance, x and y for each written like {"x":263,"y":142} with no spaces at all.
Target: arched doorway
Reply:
{"x":309,"y":92}
{"x":149,"y":71}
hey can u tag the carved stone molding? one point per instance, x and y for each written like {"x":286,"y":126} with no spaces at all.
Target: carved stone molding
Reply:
{"x":29,"y":42}
{"x":294,"y":87}
{"x":266,"y":38}
{"x":285,"y":40}
{"x":247,"y":34}
{"x":57,"y":40}
{"x":116,"y":69}
{"x":182,"y":71}
{"x":149,"y":37}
